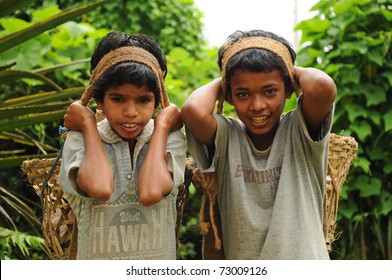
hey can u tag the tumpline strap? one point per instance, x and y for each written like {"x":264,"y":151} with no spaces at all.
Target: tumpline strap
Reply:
{"x":49,"y":175}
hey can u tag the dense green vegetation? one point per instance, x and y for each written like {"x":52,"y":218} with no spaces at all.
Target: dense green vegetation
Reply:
{"x":44,"y":64}
{"x":351,"y":41}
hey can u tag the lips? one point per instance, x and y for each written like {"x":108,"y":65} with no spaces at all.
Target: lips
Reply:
{"x":259,"y":119}
{"x":129,"y":125}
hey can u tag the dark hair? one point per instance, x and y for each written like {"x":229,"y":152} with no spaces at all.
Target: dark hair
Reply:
{"x":129,"y":72}
{"x":256,"y":60}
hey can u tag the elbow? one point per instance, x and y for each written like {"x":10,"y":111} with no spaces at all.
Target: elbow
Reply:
{"x":193,"y":113}
{"x":101,"y":189}
{"x":102,"y":192}
{"x":150,"y":198}
{"x":325,"y":88}
{"x":187,"y":110}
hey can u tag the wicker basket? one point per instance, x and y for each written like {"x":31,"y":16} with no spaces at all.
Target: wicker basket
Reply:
{"x":342,"y":151}
{"x":58,"y":220}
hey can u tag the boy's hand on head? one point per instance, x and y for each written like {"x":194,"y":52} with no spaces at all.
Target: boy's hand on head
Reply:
{"x":169,"y":117}
{"x":78,"y":116}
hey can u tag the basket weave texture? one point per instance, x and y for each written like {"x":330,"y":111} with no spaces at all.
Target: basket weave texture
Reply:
{"x":342,"y":151}
{"x":58,"y":220}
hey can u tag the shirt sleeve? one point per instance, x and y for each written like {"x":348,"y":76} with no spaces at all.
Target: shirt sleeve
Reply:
{"x":325,"y":126}
{"x":73,"y":154}
{"x":199,"y":151}
{"x":176,"y":156}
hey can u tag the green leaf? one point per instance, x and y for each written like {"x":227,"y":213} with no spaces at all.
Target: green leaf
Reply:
{"x":14,"y":24}
{"x":44,"y":97}
{"x":388,"y":75}
{"x":367,"y":187}
{"x":10,"y":75}
{"x":375,"y":116}
{"x":350,"y":76}
{"x":384,"y":206}
{"x":363,"y":163}
{"x":39,"y":27}
{"x":376,"y":57}
{"x":354,"y":111}
{"x":353,"y":48}
{"x":17,"y":161}
{"x":45,"y":13}
{"x":24,"y":121}
{"x":388,"y":120}
{"x":376,"y":95}
{"x":387,"y":14}
{"x":388,"y":167}
{"x":342,"y":7}
{"x":348,"y":209}
{"x":362,"y":129}
{"x":24,"y":110}
{"x":315,"y":25}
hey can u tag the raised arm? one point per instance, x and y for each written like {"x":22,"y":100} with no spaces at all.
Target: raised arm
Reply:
{"x":197,"y":112}
{"x":95,"y":175}
{"x":155,"y":180}
{"x":319,"y":92}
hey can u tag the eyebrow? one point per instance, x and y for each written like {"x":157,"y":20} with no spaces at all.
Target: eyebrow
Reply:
{"x":270,"y":85}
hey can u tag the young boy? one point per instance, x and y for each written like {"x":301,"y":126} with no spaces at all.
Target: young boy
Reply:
{"x":270,"y":167}
{"x":120,"y":175}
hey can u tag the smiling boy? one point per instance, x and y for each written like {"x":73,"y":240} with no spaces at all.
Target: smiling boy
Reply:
{"x":269,"y":167}
{"x":120,"y":175}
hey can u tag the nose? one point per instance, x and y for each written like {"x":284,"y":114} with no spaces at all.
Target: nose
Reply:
{"x":258,"y":103}
{"x":130,"y":110}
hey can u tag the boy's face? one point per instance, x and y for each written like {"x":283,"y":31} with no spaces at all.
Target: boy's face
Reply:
{"x":128,"y":109}
{"x":259,"y":99}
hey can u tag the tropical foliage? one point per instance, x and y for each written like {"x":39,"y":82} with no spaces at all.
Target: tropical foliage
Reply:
{"x":351,"y":40}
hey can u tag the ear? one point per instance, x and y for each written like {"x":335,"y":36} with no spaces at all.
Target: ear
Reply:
{"x":99,"y":105}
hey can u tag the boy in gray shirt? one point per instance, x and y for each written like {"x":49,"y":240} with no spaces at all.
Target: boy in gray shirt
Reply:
{"x":270,"y":167}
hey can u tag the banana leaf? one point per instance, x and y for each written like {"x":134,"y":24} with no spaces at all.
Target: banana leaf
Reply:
{"x":16,"y":38}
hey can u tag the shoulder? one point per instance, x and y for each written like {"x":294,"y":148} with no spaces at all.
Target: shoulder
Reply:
{"x":228,"y":122}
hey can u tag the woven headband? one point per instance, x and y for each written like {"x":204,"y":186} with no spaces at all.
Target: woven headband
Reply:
{"x":127,"y":54}
{"x":259,"y":43}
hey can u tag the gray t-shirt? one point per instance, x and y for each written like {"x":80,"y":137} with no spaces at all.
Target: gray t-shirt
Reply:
{"x":122,"y":228}
{"x":270,"y":202}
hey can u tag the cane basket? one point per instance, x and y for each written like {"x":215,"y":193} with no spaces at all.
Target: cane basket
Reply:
{"x":342,"y":151}
{"x":58,"y":220}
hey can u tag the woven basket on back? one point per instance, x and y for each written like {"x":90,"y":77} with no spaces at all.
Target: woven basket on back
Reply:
{"x":342,"y":151}
{"x":58,"y":220}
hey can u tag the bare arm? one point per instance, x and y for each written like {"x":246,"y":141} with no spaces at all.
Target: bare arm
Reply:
{"x":155,"y":180}
{"x":319,"y":94}
{"x":95,"y":175}
{"x":197,"y":112}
